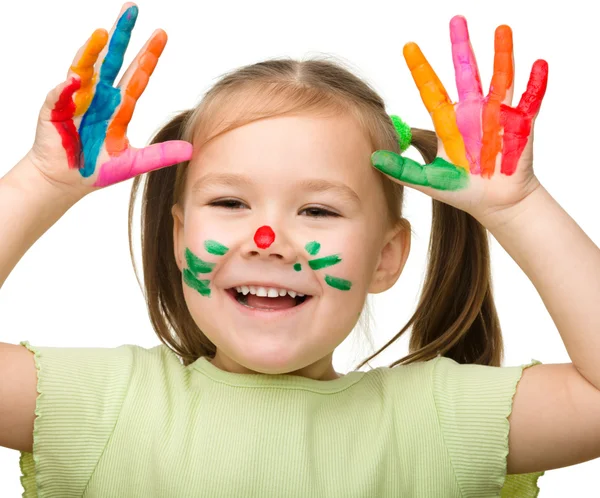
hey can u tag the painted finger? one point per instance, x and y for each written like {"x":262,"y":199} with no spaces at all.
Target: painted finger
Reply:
{"x":436,"y":100}
{"x":501,"y":89}
{"x":531,"y":101}
{"x":518,"y":122}
{"x":439,"y":175}
{"x":61,"y":104}
{"x":468,"y":82}
{"x":134,"y":162}
{"x":119,"y":40}
{"x":83,"y":67}
{"x":135,"y":84}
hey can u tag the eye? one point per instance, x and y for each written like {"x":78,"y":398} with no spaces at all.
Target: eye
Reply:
{"x":317,"y":212}
{"x":228,"y":204}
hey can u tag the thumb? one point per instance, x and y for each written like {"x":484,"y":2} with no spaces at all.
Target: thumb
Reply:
{"x":439,"y":175}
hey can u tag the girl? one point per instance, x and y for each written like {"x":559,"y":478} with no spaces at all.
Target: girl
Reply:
{"x":260,"y":245}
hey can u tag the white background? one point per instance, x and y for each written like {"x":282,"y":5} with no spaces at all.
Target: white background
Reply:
{"x":76,"y":286}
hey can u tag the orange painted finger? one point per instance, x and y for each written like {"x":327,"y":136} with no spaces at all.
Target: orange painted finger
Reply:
{"x":84,"y":68}
{"x":500,"y":87}
{"x":116,"y":140}
{"x":437,"y":102}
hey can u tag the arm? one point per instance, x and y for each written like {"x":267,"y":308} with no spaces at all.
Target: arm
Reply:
{"x":29,"y":205}
{"x":564,"y":266}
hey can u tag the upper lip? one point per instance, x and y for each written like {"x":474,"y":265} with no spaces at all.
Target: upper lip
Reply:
{"x":271,"y":284}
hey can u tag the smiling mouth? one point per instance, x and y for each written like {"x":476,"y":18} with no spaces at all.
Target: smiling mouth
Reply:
{"x":262,"y":302}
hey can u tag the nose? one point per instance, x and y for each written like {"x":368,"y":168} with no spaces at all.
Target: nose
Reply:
{"x":268,"y":244}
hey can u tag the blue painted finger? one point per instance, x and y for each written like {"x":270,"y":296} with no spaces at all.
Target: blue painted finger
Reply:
{"x":118,"y":45}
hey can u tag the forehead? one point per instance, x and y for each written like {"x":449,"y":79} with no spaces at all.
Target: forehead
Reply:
{"x":291,"y":148}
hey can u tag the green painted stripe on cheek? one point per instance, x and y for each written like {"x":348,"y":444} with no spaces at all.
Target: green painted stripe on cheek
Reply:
{"x":317,"y":264}
{"x":216,"y":248}
{"x":199,"y":285}
{"x":196,"y":265}
{"x":338,"y":283}
{"x":312,"y":248}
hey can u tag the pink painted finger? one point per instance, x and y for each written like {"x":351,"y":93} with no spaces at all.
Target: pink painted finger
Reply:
{"x":134,"y":162}
{"x":468,"y":82}
{"x":470,"y":93}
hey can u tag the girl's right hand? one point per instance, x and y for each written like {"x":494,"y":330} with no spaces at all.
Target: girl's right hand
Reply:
{"x":81,"y":141}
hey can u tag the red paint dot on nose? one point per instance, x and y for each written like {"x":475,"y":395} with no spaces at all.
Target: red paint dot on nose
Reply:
{"x":264,"y":237}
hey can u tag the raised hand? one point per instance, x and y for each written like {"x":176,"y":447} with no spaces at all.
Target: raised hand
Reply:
{"x":81,"y":140}
{"x":484,"y":158}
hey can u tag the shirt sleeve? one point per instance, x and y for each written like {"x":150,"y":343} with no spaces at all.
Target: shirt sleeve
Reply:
{"x":473,"y":403}
{"x":80,"y":395}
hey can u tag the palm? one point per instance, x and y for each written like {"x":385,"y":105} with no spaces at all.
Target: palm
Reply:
{"x":484,"y":146}
{"x":91,"y":115}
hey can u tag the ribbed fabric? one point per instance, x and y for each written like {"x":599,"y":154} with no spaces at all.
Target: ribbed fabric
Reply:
{"x":134,"y":422}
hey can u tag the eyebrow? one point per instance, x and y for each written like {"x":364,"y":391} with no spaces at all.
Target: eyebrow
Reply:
{"x":307,"y":185}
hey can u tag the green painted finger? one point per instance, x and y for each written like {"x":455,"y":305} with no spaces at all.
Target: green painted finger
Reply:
{"x":440,"y":174}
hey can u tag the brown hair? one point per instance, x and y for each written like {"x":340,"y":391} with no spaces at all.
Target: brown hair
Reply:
{"x":455,"y":316}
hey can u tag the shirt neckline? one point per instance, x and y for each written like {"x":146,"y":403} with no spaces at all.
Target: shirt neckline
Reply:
{"x":204,"y":366}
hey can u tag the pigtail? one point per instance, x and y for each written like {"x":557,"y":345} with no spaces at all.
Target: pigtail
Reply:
{"x":456,"y":315}
{"x":163,"y":291}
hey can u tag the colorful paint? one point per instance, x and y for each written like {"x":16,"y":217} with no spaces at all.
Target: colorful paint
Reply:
{"x":479,"y":128}
{"x":440,"y":174}
{"x":202,"y":286}
{"x":214,"y":247}
{"x":320,"y":263}
{"x":312,"y":248}
{"x":107,"y":113}
{"x":297,"y":267}
{"x":62,"y":119}
{"x":338,"y":283}
{"x":264,"y":237}
{"x":196,"y":265}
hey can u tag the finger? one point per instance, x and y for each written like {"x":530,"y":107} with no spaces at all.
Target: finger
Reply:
{"x":439,"y":175}
{"x":119,"y":40}
{"x":502,"y":83}
{"x":437,"y":102}
{"x":83,"y":67}
{"x":531,"y":101}
{"x":134,"y":162}
{"x":501,"y":89}
{"x":135,"y":83}
{"x":466,"y":72}
{"x":60,"y":101}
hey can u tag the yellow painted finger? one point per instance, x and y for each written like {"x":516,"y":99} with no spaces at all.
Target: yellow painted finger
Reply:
{"x":438,"y":103}
{"x":84,"y":68}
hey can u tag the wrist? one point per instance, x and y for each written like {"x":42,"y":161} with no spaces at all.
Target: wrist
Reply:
{"x":500,"y":218}
{"x":28,"y":178}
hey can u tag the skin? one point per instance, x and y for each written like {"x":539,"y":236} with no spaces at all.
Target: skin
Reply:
{"x":276,"y":155}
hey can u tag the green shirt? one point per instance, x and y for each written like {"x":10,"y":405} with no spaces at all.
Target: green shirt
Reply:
{"x":133,"y":422}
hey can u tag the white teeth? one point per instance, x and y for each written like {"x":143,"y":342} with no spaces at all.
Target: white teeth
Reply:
{"x":266,"y":291}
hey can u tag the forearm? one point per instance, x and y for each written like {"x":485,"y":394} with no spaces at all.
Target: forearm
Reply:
{"x":29,"y":205}
{"x":563,"y":264}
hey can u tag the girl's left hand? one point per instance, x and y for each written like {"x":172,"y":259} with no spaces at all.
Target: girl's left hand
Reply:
{"x":485,"y":146}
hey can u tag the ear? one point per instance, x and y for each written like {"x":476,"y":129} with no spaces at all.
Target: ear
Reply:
{"x":177,"y":213}
{"x":392,"y":258}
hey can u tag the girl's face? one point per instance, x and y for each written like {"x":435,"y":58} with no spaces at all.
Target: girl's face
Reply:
{"x":288,"y":203}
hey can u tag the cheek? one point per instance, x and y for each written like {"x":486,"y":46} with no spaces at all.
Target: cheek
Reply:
{"x":341,"y":260}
